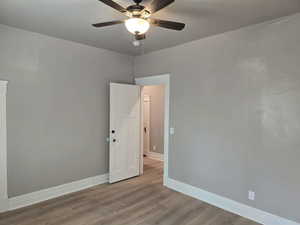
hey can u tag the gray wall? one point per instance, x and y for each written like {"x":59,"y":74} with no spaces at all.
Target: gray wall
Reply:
{"x":157,"y":95}
{"x":235,"y":108}
{"x":57,"y":108}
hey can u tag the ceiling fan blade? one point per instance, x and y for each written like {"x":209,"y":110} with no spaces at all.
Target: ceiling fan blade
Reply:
{"x":114,"y":5}
{"x":140,"y":37}
{"x":157,"y":5}
{"x":108,"y":23}
{"x":167,"y":24}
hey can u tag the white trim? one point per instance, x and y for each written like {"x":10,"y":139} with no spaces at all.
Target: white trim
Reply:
{"x":3,"y":86}
{"x":155,"y":155}
{"x":146,"y":99}
{"x":3,"y":204}
{"x":243,"y":210}
{"x":142,"y":134}
{"x":54,"y":192}
{"x":159,"y":80}
{"x":3,"y":148}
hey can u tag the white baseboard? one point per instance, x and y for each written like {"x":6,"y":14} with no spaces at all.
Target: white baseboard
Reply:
{"x":155,"y":155}
{"x":3,"y":204}
{"x":228,"y":204}
{"x":54,"y":192}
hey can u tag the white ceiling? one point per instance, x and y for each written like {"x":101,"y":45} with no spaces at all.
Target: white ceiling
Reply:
{"x":72,"y":19}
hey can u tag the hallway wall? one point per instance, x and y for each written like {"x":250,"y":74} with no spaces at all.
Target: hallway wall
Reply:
{"x":157,"y":111}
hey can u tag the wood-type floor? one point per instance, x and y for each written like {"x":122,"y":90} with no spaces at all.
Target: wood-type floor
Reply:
{"x":139,"y":201}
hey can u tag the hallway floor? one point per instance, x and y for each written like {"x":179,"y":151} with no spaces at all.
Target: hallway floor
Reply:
{"x":138,"y":201}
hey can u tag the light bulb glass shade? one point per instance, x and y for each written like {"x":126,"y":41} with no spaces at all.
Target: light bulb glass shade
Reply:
{"x":137,"y":25}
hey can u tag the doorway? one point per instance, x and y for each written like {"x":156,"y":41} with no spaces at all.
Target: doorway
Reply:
{"x":128,"y":138}
{"x":153,"y":121}
{"x":159,"y":147}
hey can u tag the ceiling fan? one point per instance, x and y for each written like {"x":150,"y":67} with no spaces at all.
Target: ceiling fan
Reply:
{"x":140,"y":17}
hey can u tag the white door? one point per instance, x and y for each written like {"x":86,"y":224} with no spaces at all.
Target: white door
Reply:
{"x":146,"y":124}
{"x":124,"y":154}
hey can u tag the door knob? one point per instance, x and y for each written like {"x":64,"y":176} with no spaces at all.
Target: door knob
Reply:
{"x":114,"y":140}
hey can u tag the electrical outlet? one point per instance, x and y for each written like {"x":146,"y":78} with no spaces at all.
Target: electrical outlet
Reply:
{"x":172,"y":130}
{"x":154,"y":147}
{"x":251,"y":195}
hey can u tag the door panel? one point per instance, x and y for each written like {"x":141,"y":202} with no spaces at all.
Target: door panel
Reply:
{"x":146,"y":124}
{"x":124,"y":132}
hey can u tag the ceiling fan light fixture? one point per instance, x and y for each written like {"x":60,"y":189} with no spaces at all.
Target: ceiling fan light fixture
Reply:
{"x":137,"y":25}
{"x":139,"y":17}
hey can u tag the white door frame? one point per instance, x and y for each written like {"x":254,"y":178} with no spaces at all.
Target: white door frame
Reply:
{"x":163,"y":79}
{"x":3,"y":148}
{"x":146,"y":99}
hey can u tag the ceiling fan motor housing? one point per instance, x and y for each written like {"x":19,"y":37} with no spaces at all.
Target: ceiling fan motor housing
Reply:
{"x":137,"y":1}
{"x":135,"y":8}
